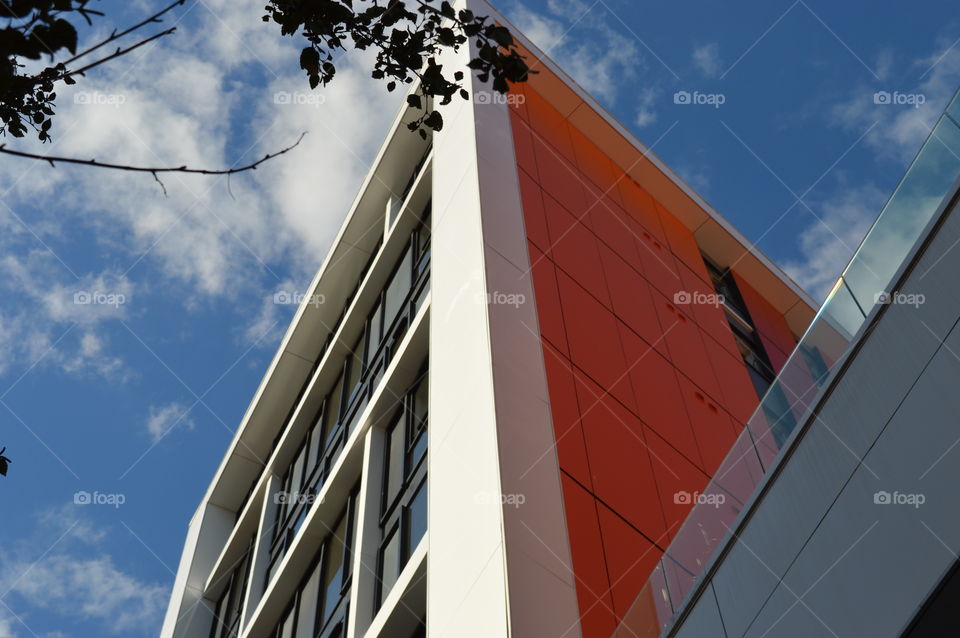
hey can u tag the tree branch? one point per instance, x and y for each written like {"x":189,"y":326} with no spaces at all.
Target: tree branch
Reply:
{"x":153,"y":170}
{"x":117,"y":35}
{"x":117,"y":54}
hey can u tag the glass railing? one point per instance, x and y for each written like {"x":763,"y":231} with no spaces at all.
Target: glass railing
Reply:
{"x":864,"y":283}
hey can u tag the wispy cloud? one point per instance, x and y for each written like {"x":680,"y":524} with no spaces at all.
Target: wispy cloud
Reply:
{"x":577,"y":35}
{"x":706,"y":59}
{"x":906,"y":109}
{"x":67,"y":576}
{"x":211,"y":237}
{"x":163,"y":419}
{"x":646,"y":114}
{"x":898,"y":130}
{"x":828,"y":243}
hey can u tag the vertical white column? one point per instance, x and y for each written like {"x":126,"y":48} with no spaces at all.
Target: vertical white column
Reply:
{"x":363,"y":596}
{"x":491,"y":428}
{"x":466,"y":577}
{"x":260,"y":561}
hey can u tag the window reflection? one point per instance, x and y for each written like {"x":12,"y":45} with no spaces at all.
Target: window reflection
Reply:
{"x":403,"y":507}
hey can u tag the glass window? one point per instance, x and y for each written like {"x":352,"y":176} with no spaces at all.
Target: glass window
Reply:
{"x":403,"y":518}
{"x":219,"y":615}
{"x":229,"y":607}
{"x":389,"y":564}
{"x":321,"y":603}
{"x":420,"y":403}
{"x":374,"y":333}
{"x":354,"y":367}
{"x":333,"y":409}
{"x":418,"y":444}
{"x":398,"y":287}
{"x":333,"y":570}
{"x":296,"y":481}
{"x":286,"y":629}
{"x":416,"y":524}
{"x":307,"y":613}
{"x":315,"y":443}
{"x":395,"y":454}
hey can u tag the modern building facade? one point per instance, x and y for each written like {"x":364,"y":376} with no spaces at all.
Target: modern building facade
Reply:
{"x":528,"y":351}
{"x":853,"y":530}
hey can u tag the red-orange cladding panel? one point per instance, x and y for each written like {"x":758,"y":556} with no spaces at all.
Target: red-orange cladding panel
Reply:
{"x":534,"y":218}
{"x":660,"y":403}
{"x":567,"y":425}
{"x":687,"y":352}
{"x":619,"y":459}
{"x":597,"y":618}
{"x":631,"y":296}
{"x":594,"y":343}
{"x":574,"y":249}
{"x":677,"y":479}
{"x":547,"y":123}
{"x":523,"y":146}
{"x":630,"y":558}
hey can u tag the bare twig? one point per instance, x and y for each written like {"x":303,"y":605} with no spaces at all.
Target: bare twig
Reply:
{"x":153,"y":170}
{"x":116,"y":35}
{"x":117,"y":54}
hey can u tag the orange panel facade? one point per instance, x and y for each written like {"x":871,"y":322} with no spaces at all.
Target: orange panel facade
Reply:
{"x":647,"y":393}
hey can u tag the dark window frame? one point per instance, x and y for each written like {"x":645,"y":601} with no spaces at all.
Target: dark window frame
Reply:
{"x":228,"y":610}
{"x":395,"y":513}
{"x":326,"y":624}
{"x":351,"y":401}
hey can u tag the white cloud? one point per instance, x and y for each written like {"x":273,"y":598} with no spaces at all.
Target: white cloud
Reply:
{"x":646,"y":115}
{"x":75,"y":580}
{"x":6,"y":625}
{"x":55,"y":319}
{"x":897,"y":133}
{"x":696,"y":176}
{"x":601,"y":63}
{"x":163,"y":419}
{"x":186,"y":100}
{"x":900,"y":129}
{"x":706,"y":59}
{"x":827,"y":244}
{"x":92,"y":589}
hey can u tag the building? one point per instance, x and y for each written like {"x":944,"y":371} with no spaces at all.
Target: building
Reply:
{"x":853,"y":529}
{"x":528,"y":351}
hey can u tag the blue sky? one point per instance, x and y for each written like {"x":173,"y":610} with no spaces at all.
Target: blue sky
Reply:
{"x":135,"y":394}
